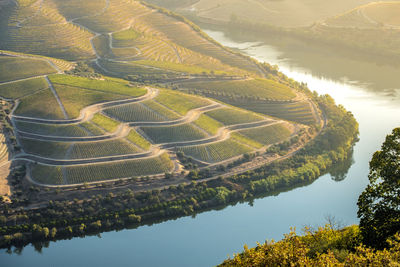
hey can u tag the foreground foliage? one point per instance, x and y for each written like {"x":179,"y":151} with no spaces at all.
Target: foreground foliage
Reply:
{"x":323,"y":247}
{"x":379,"y":203}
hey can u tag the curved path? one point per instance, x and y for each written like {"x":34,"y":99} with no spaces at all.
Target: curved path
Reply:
{"x":123,"y":129}
{"x":156,"y":150}
{"x":76,"y":162}
{"x":88,"y":112}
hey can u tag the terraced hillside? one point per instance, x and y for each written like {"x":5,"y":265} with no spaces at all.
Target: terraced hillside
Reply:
{"x":115,"y":119}
{"x":100,"y":129}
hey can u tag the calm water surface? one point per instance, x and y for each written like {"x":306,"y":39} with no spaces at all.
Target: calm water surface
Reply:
{"x":369,"y":90}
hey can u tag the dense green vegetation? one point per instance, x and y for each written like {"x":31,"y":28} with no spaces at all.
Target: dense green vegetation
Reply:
{"x":253,"y":88}
{"x":106,"y":85}
{"x":32,"y":106}
{"x":169,"y":134}
{"x":51,"y":129}
{"x":269,"y":134}
{"x":105,"y":122}
{"x":98,"y":212}
{"x":206,"y":123}
{"x":101,"y":149}
{"x":379,"y":203}
{"x":134,"y":112}
{"x":230,"y":116}
{"x":138,"y":140}
{"x":22,"y":88}
{"x":74,"y":99}
{"x":14,"y":68}
{"x":179,"y":102}
{"x":326,"y":246}
{"x":215,"y":152}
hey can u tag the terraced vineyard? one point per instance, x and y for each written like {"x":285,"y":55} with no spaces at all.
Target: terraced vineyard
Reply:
{"x":171,"y":134}
{"x":76,"y":124}
{"x":217,"y":151}
{"x":15,"y":68}
{"x":254,"y":88}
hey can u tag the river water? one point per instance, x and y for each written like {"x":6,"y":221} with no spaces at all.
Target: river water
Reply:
{"x":369,"y":90}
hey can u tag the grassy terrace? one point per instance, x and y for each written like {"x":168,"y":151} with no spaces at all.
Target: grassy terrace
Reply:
{"x":105,"y":122}
{"x":216,"y":152}
{"x":117,"y":16}
{"x":181,"y":103}
{"x":230,"y":116}
{"x":32,"y":106}
{"x":126,"y":69}
{"x":138,"y":140}
{"x":300,"y":111}
{"x":22,"y":88}
{"x":52,"y":129}
{"x":106,"y":85}
{"x":104,"y":171}
{"x":208,"y":124}
{"x":74,"y":99}
{"x":168,"y":134}
{"x":81,"y":150}
{"x":47,"y":174}
{"x":240,"y":138}
{"x":101,"y":44}
{"x":125,"y":38}
{"x":185,"y":68}
{"x":254,"y":88}
{"x":57,"y":150}
{"x":14,"y":68}
{"x":269,"y":134}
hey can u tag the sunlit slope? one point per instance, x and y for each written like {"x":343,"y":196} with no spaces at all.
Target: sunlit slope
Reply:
{"x":115,"y":30}
{"x":103,"y":129}
{"x":374,"y":15}
{"x":37,"y":27}
{"x":284,"y":13}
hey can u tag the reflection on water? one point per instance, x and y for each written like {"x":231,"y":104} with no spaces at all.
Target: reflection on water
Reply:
{"x":327,"y":63}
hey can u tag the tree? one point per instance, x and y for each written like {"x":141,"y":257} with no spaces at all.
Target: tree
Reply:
{"x":379,"y":204}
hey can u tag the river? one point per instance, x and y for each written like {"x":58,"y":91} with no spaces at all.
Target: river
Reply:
{"x":367,"y":89}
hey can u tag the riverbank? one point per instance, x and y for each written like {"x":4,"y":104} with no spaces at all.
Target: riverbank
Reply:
{"x":59,"y":220}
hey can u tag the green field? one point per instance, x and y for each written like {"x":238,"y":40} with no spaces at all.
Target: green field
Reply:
{"x":105,"y":122}
{"x":269,"y":134}
{"x":185,"y":68}
{"x":134,"y":113}
{"x":300,"y":111}
{"x":216,"y":152}
{"x":116,"y":170}
{"x":102,"y":149}
{"x":32,"y":106}
{"x":125,"y":38}
{"x":74,"y":99}
{"x":208,"y":124}
{"x":14,"y":68}
{"x":181,"y":103}
{"x":254,"y":88}
{"x":231,"y":116}
{"x":92,"y":128}
{"x":44,"y":174}
{"x":78,"y":150}
{"x":169,"y":134}
{"x":101,"y":44}
{"x":106,"y":85}
{"x":52,"y":129}
{"x":22,"y":88}
{"x":57,"y":150}
{"x":240,"y":138}
{"x":138,"y":140}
